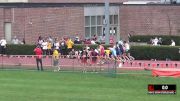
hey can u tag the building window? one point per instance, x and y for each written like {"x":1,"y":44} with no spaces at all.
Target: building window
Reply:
{"x":111,"y":19}
{"x":87,"y":32}
{"x":99,"y":20}
{"x":94,"y":25}
{"x":87,"y":21}
{"x":93,"y":31}
{"x":99,"y":31}
{"x":93,"y":20}
{"x":116,"y":19}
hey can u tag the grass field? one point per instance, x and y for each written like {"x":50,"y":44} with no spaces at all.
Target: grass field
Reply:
{"x":26,"y":85}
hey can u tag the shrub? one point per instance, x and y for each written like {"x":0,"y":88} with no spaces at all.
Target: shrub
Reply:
{"x":155,"y":52}
{"x":139,"y":52}
{"x":28,"y":49}
{"x":20,"y":49}
{"x":166,"y":40}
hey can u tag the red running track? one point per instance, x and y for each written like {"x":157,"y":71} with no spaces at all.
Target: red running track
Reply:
{"x":47,"y":61}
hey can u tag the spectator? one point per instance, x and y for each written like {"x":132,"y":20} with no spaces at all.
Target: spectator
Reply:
{"x":50,"y":39}
{"x":3,"y":46}
{"x":77,"y":41}
{"x":38,"y":53}
{"x":93,"y":42}
{"x":56,"y":60}
{"x":44,"y":47}
{"x":24,"y":42}
{"x":173,"y":43}
{"x":56,"y":44}
{"x":72,"y":54}
{"x":151,"y":41}
{"x":94,"y":38}
{"x":87,"y":41}
{"x":63,"y":48}
{"x":49,"y":48}
{"x":15,"y":40}
{"x":40,"y":41}
{"x":160,"y":41}
{"x":69,"y":44}
{"x":155,"y":41}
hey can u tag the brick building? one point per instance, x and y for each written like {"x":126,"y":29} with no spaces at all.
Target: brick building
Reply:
{"x":30,"y":18}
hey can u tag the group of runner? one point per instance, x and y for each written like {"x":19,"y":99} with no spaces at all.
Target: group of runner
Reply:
{"x":118,"y":52}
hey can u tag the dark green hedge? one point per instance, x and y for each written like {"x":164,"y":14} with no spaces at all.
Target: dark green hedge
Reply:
{"x":20,"y":49}
{"x":28,"y":49}
{"x":139,"y":52}
{"x":155,"y":52}
{"x":166,"y":40}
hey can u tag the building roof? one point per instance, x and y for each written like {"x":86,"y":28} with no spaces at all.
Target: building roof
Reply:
{"x":75,"y":1}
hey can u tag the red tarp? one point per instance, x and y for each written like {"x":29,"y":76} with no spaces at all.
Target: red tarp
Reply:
{"x":168,"y":72}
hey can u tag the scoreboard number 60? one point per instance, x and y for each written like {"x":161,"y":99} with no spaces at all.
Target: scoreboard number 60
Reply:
{"x":164,"y":87}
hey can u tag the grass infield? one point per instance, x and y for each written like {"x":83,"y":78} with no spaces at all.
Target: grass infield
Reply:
{"x":29,"y":85}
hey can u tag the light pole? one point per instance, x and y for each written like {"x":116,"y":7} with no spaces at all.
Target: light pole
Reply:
{"x":107,"y":22}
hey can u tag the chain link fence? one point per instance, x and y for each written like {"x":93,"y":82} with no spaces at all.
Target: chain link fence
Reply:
{"x":66,"y":63}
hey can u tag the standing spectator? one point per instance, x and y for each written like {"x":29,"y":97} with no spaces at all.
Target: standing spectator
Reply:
{"x":3,"y":46}
{"x":69,"y":44}
{"x":38,"y":53}
{"x":155,"y":41}
{"x":49,"y":48}
{"x":56,"y":60}
{"x":56,"y":44}
{"x":93,"y":42}
{"x":44,"y":47}
{"x":160,"y":41}
{"x":173,"y":43}
{"x":50,"y":39}
{"x":94,"y":38}
{"x":15,"y":40}
{"x":77,"y":41}
{"x":23,"y":41}
{"x":72,"y":54}
{"x":40,"y":41}
{"x":63,"y":48}
{"x":151,"y":41}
